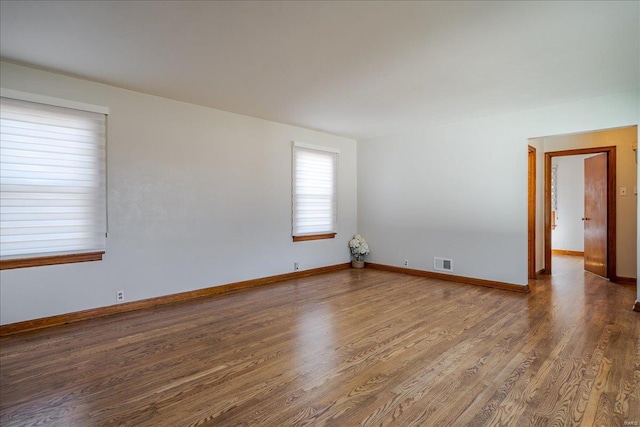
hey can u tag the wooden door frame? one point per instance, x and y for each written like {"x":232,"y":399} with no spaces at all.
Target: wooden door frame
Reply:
{"x":611,"y":204}
{"x":531,"y":215}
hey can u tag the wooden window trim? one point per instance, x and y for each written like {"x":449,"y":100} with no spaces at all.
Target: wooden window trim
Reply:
{"x":50,"y":260}
{"x":314,"y":237}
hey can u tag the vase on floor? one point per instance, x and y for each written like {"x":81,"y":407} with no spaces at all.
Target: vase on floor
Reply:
{"x":357,"y":264}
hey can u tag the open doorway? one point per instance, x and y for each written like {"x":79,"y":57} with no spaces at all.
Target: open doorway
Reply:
{"x":599,"y":251}
{"x":618,"y":147}
{"x":567,"y":205}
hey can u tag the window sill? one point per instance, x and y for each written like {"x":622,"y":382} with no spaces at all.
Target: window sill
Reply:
{"x":50,"y":260}
{"x":314,"y":237}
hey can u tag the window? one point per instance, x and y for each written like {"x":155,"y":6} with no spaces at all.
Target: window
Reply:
{"x":52,"y":184}
{"x":315,"y":192}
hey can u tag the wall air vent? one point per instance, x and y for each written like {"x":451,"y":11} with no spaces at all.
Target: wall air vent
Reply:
{"x":442,"y":264}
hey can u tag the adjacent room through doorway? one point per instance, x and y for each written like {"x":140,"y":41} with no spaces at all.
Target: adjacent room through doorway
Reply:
{"x":603,"y":230}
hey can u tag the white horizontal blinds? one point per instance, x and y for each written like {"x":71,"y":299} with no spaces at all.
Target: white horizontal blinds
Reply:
{"x":314,"y":191}
{"x":52,"y":180}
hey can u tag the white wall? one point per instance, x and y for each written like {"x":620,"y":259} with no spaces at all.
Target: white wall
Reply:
{"x":460,"y":190}
{"x":569,"y":232}
{"x":197,"y":198}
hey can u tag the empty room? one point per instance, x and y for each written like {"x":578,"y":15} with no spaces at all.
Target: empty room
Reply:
{"x":345,"y":213}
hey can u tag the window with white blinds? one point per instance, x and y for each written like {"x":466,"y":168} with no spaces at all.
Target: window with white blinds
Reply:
{"x":315,"y":191}
{"x":52,"y":180}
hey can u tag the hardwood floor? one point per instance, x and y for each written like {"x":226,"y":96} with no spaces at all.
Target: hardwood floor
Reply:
{"x":348,"y":348}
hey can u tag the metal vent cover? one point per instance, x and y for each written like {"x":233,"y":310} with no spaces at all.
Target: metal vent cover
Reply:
{"x":443,"y":264}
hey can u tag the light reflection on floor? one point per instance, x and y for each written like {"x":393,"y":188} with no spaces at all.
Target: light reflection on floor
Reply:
{"x":316,"y":343}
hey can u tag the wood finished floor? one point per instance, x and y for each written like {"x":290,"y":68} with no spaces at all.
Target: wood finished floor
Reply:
{"x":350,"y":348}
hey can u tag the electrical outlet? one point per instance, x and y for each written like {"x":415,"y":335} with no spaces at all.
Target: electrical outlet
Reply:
{"x":296,"y":266}
{"x":119,"y":296}
{"x":406,"y":263}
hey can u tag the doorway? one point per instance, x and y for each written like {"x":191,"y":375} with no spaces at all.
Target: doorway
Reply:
{"x":619,"y":145}
{"x":609,"y":235}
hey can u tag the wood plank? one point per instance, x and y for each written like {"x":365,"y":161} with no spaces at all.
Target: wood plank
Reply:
{"x":8,"y":264}
{"x":313,"y":237}
{"x":348,"y":347}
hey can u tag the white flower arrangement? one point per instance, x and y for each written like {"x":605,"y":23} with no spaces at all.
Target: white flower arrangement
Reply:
{"x":359,"y":248}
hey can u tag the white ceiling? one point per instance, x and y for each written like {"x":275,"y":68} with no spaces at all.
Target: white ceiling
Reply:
{"x":357,"y":69}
